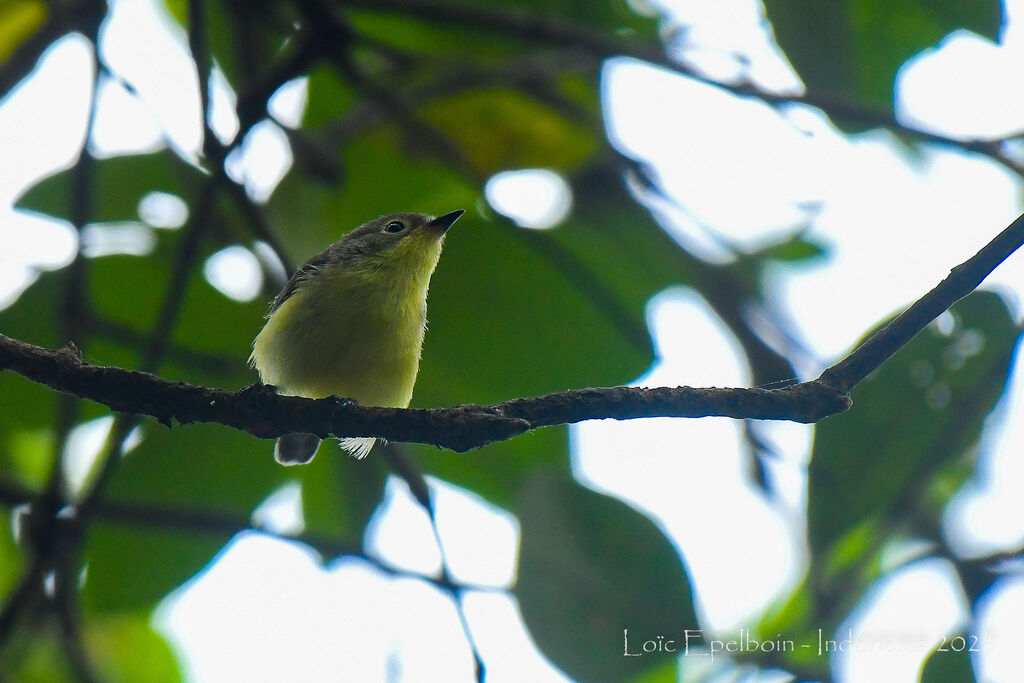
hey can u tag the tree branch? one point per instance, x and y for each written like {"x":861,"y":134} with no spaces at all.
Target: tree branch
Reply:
{"x":961,"y":281}
{"x":261,"y":412}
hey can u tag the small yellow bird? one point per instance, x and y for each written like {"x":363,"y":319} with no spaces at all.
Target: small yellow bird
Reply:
{"x":350,"y":322}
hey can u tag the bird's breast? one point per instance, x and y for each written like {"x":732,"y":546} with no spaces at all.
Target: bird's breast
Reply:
{"x":337,"y":338}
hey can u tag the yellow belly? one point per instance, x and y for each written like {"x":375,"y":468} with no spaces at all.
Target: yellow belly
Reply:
{"x":330,"y":340}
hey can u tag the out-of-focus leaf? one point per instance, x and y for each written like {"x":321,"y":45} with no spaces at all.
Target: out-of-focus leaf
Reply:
{"x":11,"y":558}
{"x":35,"y":656}
{"x":792,"y":249}
{"x":328,"y":97}
{"x":504,"y":31}
{"x":795,"y":619}
{"x":952,"y":664}
{"x":201,"y":467}
{"x":118,"y":185}
{"x":131,"y":289}
{"x":19,"y":19}
{"x":614,"y":15}
{"x":590,"y":569}
{"x":506,"y":322}
{"x":666,"y":672}
{"x":239,"y":34}
{"x":618,"y":242}
{"x":212,"y":323}
{"x":921,"y":410}
{"x":126,"y":648}
{"x":27,"y":409}
{"x":128,"y":290}
{"x":434,"y":39}
{"x":854,"y":48}
{"x":23,"y":403}
{"x":499,"y":129}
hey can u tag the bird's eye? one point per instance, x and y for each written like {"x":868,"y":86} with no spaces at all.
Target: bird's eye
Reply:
{"x":394,"y":226}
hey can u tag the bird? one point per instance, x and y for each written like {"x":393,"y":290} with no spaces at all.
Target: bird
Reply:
{"x":351,"y":321}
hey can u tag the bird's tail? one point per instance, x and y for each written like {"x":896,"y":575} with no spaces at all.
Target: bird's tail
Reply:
{"x":358,"y":448}
{"x":296,"y":449}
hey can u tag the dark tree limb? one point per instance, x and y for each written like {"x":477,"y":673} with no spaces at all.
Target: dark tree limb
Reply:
{"x":261,"y":412}
{"x":961,"y":281}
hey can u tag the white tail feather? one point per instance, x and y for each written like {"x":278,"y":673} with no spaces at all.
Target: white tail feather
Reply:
{"x":358,"y":448}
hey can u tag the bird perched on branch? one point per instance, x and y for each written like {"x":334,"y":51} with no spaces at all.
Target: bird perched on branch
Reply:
{"x":350,"y":322}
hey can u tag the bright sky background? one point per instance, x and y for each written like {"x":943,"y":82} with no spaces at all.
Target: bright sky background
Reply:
{"x":895,"y":222}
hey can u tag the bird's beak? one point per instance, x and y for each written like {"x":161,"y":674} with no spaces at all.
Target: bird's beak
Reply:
{"x":439,"y":225}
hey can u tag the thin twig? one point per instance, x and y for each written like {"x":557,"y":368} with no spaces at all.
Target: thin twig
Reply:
{"x":219,"y":523}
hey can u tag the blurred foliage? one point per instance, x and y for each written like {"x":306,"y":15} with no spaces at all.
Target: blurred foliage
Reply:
{"x":413,"y":108}
{"x":19,"y":19}
{"x":951,"y":661}
{"x":852,"y":49}
{"x":866,"y":464}
{"x":590,"y":567}
{"x":914,"y":427}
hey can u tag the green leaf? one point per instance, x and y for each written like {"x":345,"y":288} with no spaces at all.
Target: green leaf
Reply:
{"x":952,"y":664}
{"x":327,"y":97}
{"x":612,"y":15}
{"x":432,"y":39}
{"x":592,"y":568}
{"x":205,"y":468}
{"x":499,"y":129}
{"x":212,"y":323}
{"x":126,"y":648}
{"x":795,"y":618}
{"x":35,"y":656}
{"x":854,"y":48}
{"x":119,"y":183}
{"x":28,"y":409}
{"x":11,"y":557}
{"x":442,"y":34}
{"x":920,"y":411}
{"x":239,"y":35}
{"x":24,"y":404}
{"x":792,"y":249}
{"x":19,"y":19}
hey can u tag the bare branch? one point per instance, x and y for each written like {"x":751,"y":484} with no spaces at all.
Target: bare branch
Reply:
{"x":261,"y":412}
{"x":961,"y":281}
